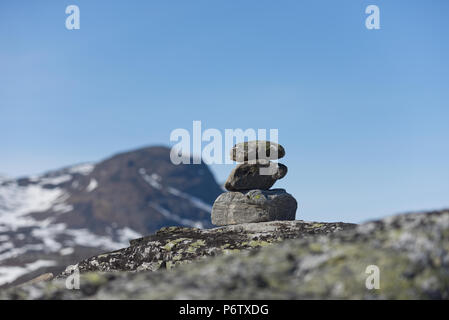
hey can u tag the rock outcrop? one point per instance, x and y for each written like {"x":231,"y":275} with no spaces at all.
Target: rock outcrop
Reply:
{"x":410,"y":251}
{"x":173,"y":246}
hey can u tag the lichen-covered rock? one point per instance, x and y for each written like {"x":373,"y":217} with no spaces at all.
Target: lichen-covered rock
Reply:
{"x":173,"y":246}
{"x":253,"y":206}
{"x":257,"y":149}
{"x":411,"y":252}
{"x":258,"y":175}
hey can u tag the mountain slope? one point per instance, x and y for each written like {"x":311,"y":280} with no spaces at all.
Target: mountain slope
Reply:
{"x":60,"y":217}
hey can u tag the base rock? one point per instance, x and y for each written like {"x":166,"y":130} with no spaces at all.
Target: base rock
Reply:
{"x":253,"y":206}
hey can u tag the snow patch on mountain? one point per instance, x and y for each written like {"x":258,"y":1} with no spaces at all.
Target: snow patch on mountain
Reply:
{"x":83,"y":169}
{"x":83,"y":237}
{"x":200,"y":204}
{"x":156,"y":182}
{"x":55,"y":180}
{"x":17,"y":202}
{"x":47,"y":238}
{"x":9,"y":274}
{"x":174,"y":217}
{"x":127,"y":234}
{"x":93,"y":184}
{"x":48,"y":242}
{"x":66,"y":251}
{"x":153,"y":179}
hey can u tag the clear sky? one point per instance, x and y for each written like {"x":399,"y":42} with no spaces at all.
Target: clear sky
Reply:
{"x":363,"y":114}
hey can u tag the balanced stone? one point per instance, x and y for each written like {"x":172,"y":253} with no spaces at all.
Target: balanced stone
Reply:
{"x":253,"y":206}
{"x":259,"y":175}
{"x":257,"y":149}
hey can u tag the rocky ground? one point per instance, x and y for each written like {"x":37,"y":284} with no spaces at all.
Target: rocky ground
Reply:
{"x":298,"y":260}
{"x":173,"y":246}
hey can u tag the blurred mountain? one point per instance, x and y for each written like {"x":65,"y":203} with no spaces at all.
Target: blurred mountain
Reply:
{"x":63,"y":216}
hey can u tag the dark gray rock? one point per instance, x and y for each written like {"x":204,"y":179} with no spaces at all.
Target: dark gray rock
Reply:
{"x":411,"y":252}
{"x":173,"y":246}
{"x":257,"y":149}
{"x":258,"y":175}
{"x":253,"y":206}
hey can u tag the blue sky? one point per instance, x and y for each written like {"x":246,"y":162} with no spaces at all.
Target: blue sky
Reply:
{"x":363,"y":114}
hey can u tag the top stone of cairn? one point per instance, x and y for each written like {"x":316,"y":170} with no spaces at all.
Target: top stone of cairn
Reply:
{"x":257,"y":150}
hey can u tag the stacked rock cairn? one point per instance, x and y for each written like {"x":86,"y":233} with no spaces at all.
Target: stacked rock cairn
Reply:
{"x":249,"y":197}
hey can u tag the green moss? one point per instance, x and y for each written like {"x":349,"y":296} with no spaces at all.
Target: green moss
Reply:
{"x":315,"y":247}
{"x":230,"y":251}
{"x":177,"y":257}
{"x":194,"y":246}
{"x":169,"y":245}
{"x":344,"y":273}
{"x":94,"y":278}
{"x":259,"y":243}
{"x":198,"y":243}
